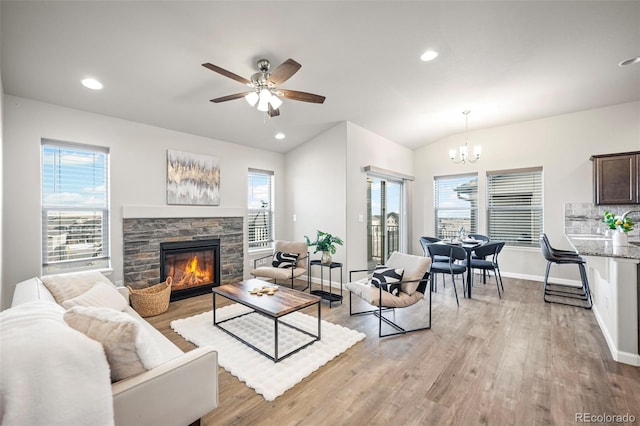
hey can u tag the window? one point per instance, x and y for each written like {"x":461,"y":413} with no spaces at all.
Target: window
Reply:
{"x":75,"y":207}
{"x":456,"y":205}
{"x":515,"y":206}
{"x":260,"y":209}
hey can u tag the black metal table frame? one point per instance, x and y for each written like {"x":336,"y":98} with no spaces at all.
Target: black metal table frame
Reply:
{"x":329,"y":296}
{"x":274,"y":358}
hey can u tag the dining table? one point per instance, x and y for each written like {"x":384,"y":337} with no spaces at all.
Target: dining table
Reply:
{"x":469,"y":245}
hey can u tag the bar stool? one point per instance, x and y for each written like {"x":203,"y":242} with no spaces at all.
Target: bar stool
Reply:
{"x":568,"y":295}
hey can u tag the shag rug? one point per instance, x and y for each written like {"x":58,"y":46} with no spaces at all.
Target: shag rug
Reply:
{"x":267,"y":378}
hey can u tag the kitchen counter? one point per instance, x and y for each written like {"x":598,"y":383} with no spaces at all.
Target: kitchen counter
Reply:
{"x":614,"y":279}
{"x":599,"y":245}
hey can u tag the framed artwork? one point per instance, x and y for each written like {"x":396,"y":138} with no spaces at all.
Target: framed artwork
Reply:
{"x":192,"y":179}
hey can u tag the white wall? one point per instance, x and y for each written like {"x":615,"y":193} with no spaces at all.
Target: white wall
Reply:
{"x":366,"y":148}
{"x":138,"y":174}
{"x":315,"y":180}
{"x":2,"y":292}
{"x":561,"y":144}
{"x":328,"y":190}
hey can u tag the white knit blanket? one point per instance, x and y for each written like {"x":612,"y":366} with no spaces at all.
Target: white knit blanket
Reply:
{"x":267,"y":378}
{"x":50,"y":374}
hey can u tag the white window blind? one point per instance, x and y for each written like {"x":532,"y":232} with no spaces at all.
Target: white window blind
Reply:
{"x":75,"y":207}
{"x":456,"y":204}
{"x":515,"y":206}
{"x":260,"y":208}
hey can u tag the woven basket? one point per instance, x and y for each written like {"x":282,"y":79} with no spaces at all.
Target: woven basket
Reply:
{"x":152,"y":300}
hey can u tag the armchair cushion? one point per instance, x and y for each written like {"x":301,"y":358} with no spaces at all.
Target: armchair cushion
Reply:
{"x":284,"y":260}
{"x":414,"y":269}
{"x":372,"y":295}
{"x":387,"y":278}
{"x":299,"y":247}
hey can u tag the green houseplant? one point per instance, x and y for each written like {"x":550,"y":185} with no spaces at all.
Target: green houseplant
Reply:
{"x":616,"y":222}
{"x":325,"y":243}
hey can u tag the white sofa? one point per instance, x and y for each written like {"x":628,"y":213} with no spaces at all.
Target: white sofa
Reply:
{"x":178,"y":391}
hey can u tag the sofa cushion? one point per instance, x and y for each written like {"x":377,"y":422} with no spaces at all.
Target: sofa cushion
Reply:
{"x":100,"y":294}
{"x":372,"y":295}
{"x":284,"y":260}
{"x":50,"y":374}
{"x":68,"y":286}
{"x":387,"y":278}
{"x":129,"y":349}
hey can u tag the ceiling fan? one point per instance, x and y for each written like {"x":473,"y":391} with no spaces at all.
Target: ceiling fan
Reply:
{"x":264,"y":84}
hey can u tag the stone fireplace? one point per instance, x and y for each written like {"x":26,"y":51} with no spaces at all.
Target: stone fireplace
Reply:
{"x":143,"y":264}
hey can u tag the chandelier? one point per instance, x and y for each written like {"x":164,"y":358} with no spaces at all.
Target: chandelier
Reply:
{"x":464,"y":149}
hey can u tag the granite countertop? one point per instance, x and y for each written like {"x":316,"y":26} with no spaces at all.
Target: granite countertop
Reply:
{"x":599,"y":245}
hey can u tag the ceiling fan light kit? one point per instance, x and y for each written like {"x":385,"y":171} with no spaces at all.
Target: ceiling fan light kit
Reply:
{"x":264,"y":93}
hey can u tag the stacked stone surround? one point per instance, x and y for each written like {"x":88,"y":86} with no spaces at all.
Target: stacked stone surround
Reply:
{"x":586,"y":218}
{"x":142,"y":238}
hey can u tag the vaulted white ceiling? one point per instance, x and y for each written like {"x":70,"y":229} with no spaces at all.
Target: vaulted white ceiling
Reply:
{"x":505,"y":61}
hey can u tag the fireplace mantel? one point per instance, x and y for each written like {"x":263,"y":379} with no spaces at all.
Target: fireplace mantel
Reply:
{"x":137,"y":212}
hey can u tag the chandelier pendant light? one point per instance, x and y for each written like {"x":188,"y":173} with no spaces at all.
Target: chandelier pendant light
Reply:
{"x":463,"y":155}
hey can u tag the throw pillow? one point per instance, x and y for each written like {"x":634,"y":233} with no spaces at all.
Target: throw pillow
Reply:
{"x":388,"y":279}
{"x":68,"y":286}
{"x":284,"y":260}
{"x":128,"y":347}
{"x":100,"y":294}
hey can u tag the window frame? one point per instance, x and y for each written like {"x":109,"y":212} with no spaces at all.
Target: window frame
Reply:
{"x":473,"y":211}
{"x":268,"y":212}
{"x":535,"y":209}
{"x":77,"y":258}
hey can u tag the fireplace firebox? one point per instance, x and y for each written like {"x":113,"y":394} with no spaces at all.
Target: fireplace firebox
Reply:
{"x":194,"y":266}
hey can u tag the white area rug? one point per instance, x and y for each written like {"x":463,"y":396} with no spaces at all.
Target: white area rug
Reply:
{"x":267,"y":378}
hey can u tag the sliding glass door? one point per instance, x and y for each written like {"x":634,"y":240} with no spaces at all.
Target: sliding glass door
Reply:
{"x":384,"y":213}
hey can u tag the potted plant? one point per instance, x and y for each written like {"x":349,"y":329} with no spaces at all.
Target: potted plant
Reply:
{"x":325,"y":243}
{"x":620,"y":225}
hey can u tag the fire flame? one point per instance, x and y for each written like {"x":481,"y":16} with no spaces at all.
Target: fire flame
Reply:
{"x":193,"y":274}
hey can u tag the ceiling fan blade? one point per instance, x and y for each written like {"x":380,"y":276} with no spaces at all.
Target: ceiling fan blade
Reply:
{"x":226,"y":73}
{"x":230,"y":97}
{"x":273,"y":112}
{"x":301,"y":96}
{"x":284,"y":71}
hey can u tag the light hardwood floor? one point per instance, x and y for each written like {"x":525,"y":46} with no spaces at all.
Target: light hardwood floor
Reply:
{"x":510,"y":361}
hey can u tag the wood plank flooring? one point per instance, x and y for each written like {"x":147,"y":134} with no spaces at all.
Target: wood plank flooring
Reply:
{"x":508,"y":361}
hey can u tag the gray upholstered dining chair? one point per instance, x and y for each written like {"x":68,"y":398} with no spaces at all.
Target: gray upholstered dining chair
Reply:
{"x":289,"y":260}
{"x":452,"y":254}
{"x":487,"y":260}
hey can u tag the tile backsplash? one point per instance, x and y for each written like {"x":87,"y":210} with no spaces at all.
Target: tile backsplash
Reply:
{"x":586,"y":218}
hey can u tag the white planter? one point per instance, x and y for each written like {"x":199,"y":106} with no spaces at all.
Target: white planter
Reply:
{"x":620,"y":239}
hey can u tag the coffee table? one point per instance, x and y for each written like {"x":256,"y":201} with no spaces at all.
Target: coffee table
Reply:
{"x":281,"y":303}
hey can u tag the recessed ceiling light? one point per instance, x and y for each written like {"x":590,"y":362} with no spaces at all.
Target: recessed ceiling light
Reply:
{"x":630,"y":61}
{"x":280,"y":136}
{"x":92,"y":83}
{"x":429,"y":55}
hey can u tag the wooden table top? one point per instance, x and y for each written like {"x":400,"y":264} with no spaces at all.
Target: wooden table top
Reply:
{"x":283,"y":301}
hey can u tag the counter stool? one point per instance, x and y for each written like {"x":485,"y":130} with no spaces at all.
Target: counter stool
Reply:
{"x":565,"y":294}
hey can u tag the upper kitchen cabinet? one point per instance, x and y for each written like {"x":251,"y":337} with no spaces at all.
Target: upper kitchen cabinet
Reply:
{"x":615,"y":178}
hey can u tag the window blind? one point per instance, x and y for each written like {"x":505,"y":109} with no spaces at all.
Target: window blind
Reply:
{"x":515,"y":206}
{"x":75,"y":207}
{"x":456,"y":205}
{"x":260,"y":208}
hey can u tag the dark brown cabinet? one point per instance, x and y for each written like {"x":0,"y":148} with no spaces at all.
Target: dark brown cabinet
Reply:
{"x":616,"y":178}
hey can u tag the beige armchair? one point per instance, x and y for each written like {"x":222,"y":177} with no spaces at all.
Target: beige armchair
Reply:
{"x":290,"y":260}
{"x":403,"y":296}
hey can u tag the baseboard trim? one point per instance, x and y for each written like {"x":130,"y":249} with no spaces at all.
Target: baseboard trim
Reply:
{"x":619,"y":356}
{"x":540,"y":278}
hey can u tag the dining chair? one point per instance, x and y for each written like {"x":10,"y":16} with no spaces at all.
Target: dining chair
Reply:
{"x":424,"y":242}
{"x":452,"y":254}
{"x":487,"y":261}
{"x":565,"y":294}
{"x":474,"y":255}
